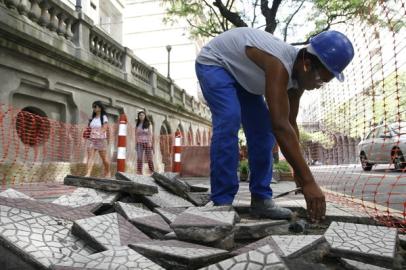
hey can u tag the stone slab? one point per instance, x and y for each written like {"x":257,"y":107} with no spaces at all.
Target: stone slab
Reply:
{"x":169,"y":214}
{"x":173,"y":254}
{"x":107,"y":231}
{"x":204,"y":226}
{"x":334,"y":212}
{"x":256,"y":229}
{"x":261,"y":258}
{"x":147,"y":221}
{"x":170,"y":236}
{"x":12,"y":193}
{"x":355,"y":265}
{"x":118,"y":258}
{"x":110,"y":185}
{"x":171,"y":183}
{"x":136,"y":178}
{"x":291,"y":246}
{"x":366,"y":243}
{"x":93,"y":198}
{"x":198,"y":187}
{"x":165,"y":199}
{"x":37,"y":239}
{"x":54,"y":210}
{"x":198,"y":198}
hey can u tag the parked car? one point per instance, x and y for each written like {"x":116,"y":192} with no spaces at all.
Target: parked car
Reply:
{"x":385,"y":144}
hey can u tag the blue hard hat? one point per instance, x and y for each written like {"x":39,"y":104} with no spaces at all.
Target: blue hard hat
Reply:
{"x":334,"y":50}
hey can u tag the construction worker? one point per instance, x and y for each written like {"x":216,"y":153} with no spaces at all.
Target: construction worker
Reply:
{"x":236,"y":70}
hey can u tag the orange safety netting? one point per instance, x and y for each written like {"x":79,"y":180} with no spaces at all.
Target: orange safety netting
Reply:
{"x":354,"y":133}
{"x":35,"y":148}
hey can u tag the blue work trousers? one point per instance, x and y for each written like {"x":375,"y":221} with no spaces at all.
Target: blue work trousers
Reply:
{"x":231,"y":105}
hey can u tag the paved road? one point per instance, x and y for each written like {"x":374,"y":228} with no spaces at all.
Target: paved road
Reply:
{"x":382,"y":185}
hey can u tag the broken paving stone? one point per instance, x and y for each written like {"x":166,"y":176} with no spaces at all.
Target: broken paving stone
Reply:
{"x":198,"y":198}
{"x":291,"y":246}
{"x":165,"y":199}
{"x":118,"y":258}
{"x":110,"y":185}
{"x":227,"y":242}
{"x":293,"y":205}
{"x":136,"y":178}
{"x":255,"y":229}
{"x":170,"y":236}
{"x":261,"y":258}
{"x":172,"y":183}
{"x":37,"y":239}
{"x":334,"y":212}
{"x":402,"y":238}
{"x":106,"y":231}
{"x":12,"y":193}
{"x":173,"y":254}
{"x":366,"y":243}
{"x":50,"y":209}
{"x":203,"y":226}
{"x":149,"y":222}
{"x":198,"y":187}
{"x":169,"y":214}
{"x":93,"y":199}
{"x":355,"y":265}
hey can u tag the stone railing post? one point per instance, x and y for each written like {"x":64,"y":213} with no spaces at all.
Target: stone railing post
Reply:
{"x":172,"y":90}
{"x":154,"y":81}
{"x":184,"y":97}
{"x":81,"y":36}
{"x":127,"y":65}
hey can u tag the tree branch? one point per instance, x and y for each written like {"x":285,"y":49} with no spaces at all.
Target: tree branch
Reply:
{"x":215,"y":14}
{"x":255,"y":13}
{"x":270,"y":14}
{"x":201,"y":29}
{"x":314,"y":34}
{"x":285,"y":32}
{"x":232,"y":17}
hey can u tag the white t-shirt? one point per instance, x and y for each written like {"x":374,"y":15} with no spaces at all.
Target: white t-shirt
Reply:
{"x":96,"y":127}
{"x":227,"y":50}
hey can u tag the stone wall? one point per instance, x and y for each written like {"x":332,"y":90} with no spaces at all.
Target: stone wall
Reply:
{"x":55,"y":61}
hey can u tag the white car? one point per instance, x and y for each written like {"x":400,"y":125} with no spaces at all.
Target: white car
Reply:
{"x":385,"y":144}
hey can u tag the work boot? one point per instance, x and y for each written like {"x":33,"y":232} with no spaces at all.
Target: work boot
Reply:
{"x":266,"y":208}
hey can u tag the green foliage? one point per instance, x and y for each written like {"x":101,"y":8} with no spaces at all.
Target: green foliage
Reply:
{"x":281,"y":166}
{"x":201,"y":18}
{"x":205,"y":19}
{"x":243,"y":168}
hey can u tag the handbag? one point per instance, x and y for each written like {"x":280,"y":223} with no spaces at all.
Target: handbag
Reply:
{"x":87,"y":131}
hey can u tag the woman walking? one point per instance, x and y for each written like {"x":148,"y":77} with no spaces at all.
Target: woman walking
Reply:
{"x":143,"y":140}
{"x":97,"y":141}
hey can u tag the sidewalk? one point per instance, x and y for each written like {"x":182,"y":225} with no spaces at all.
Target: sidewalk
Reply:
{"x":88,"y":227}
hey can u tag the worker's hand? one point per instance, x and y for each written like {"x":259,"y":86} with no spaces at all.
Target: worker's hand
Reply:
{"x":315,"y":200}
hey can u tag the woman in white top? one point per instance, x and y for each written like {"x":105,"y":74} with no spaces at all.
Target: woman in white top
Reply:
{"x":143,"y":140}
{"x":97,"y":141}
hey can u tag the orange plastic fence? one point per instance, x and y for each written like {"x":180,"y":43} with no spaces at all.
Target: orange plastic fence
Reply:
{"x":354,"y":133}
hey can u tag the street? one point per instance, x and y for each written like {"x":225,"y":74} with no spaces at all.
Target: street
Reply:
{"x":382,"y":185}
